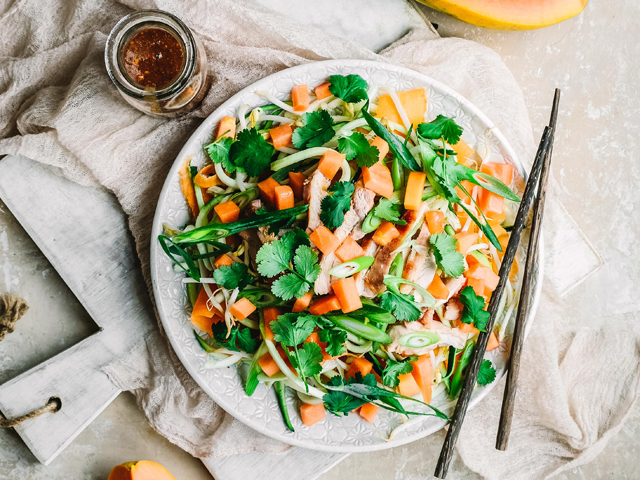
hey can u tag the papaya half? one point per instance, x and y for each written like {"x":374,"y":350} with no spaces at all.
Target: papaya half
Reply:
{"x":509,"y":14}
{"x":142,"y":470}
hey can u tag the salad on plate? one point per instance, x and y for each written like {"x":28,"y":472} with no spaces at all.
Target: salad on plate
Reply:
{"x":344,"y":246}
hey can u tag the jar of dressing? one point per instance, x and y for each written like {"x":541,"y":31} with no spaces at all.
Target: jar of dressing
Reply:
{"x":156,"y":63}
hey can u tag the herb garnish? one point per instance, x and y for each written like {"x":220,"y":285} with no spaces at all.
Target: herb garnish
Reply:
{"x":251,"y":152}
{"x":401,"y":305}
{"x":317,"y":130}
{"x":357,"y":146}
{"x":447,"y":257}
{"x":336,"y":203}
{"x":473,"y":311}
{"x":350,"y":88}
{"x":233,"y":276}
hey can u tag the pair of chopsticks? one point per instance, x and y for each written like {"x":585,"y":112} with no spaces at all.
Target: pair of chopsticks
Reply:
{"x":537,"y":183}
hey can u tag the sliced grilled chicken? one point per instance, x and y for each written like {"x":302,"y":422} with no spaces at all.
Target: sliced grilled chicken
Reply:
{"x":453,"y":310}
{"x":315,"y":189}
{"x":452,"y":337}
{"x":416,"y":260}
{"x":251,"y":236}
{"x":361,"y":205}
{"x":454,"y":285}
{"x":427,"y":317}
{"x":374,"y":279}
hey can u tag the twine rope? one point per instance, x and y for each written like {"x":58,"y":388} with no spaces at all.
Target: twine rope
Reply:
{"x":12,"y":308}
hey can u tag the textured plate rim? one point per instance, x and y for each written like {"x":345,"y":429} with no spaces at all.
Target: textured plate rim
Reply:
{"x":157,"y":229}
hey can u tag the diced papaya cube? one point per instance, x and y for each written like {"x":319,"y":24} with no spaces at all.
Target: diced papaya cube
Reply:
{"x":311,"y":414}
{"x":302,"y":303}
{"x":466,"y":327}
{"x":227,"y":127}
{"x":330,"y":163}
{"x":200,"y":308}
{"x":477,"y":285}
{"x":322,"y":91}
{"x":385,"y":233}
{"x":223,"y":259}
{"x":465,"y":241}
{"x":468,"y":186}
{"x":227,"y":211}
{"x":414,"y":103}
{"x":381,"y":145}
{"x":268,"y":190}
{"x":270,"y":314}
{"x":377,"y":178}
{"x":268,"y":364}
{"x":492,"y":205}
{"x":413,"y":191}
{"x":281,"y":136}
{"x":347,"y":293}
{"x":242,"y":309}
{"x":358,"y":365}
{"x":435,"y":221}
{"x":485,"y":274}
{"x":423,"y":375}
{"x":326,"y":241}
{"x":284,"y":197}
{"x":368,"y":412}
{"x":204,"y":323}
{"x":438,"y":289}
{"x":408,"y":386}
{"x":501,"y":171}
{"x":296,"y":182}
{"x":465,"y":154}
{"x":348,"y":250}
{"x":324,"y":305}
{"x":300,"y":98}
{"x":493,"y":342}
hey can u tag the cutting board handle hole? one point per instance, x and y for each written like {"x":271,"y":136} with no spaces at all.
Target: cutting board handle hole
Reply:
{"x":58,"y":403}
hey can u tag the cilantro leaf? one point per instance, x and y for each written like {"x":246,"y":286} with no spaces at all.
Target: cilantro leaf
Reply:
{"x":447,"y":257}
{"x":273,"y":258}
{"x":293,"y":239}
{"x":233,"y":276}
{"x":289,"y":286}
{"x":486,"y":374}
{"x":392,"y":370}
{"x":307,"y":360}
{"x":387,"y":210}
{"x":473,"y":311}
{"x":251,"y":152}
{"x":237,"y":340}
{"x":218,"y":152}
{"x":292,"y":329}
{"x":442,"y":127}
{"x":317,"y":130}
{"x":402,"y":306}
{"x":306,"y":263}
{"x":335,"y":341}
{"x":357,"y":146}
{"x":334,"y":206}
{"x":350,"y":88}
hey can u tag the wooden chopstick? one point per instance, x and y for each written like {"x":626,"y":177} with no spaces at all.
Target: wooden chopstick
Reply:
{"x":481,"y":345}
{"x":506,"y":414}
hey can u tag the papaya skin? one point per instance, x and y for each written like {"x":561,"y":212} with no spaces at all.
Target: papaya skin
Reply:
{"x":512,"y":15}
{"x":142,"y":470}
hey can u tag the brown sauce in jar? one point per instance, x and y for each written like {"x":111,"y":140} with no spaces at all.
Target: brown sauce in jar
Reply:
{"x":153,"y":58}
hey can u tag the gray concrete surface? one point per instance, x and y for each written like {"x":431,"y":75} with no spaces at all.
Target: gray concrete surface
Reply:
{"x":595,"y":59}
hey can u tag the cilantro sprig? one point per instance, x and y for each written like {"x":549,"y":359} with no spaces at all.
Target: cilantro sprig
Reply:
{"x":350,"y":88}
{"x":450,"y":261}
{"x":251,"y":152}
{"x":336,"y":203}
{"x":473,"y":311}
{"x":392,"y":370}
{"x":487,"y":373}
{"x":237,"y":339}
{"x":317,"y":130}
{"x":357,"y":146}
{"x":335,"y":340}
{"x":402,"y":306}
{"x":387,"y":210}
{"x":301,"y":262}
{"x":233,"y":276}
{"x":218,"y":152}
{"x":442,"y":127}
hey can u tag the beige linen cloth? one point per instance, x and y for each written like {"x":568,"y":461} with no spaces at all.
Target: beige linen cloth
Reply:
{"x":58,"y":106}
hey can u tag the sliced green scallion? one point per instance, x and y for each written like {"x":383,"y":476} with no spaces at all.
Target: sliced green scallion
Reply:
{"x":351,"y":267}
{"x":393,"y":282}
{"x":419,"y":339}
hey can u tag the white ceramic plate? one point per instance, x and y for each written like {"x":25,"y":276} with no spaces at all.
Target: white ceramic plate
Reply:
{"x":225,"y":386}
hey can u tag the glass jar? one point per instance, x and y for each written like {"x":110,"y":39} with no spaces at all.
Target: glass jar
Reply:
{"x":156,"y":63}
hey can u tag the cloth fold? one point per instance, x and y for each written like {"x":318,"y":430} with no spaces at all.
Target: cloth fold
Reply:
{"x":58,"y":106}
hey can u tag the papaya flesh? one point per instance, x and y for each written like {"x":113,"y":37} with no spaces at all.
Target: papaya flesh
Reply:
{"x":509,"y":14}
{"x":142,"y":470}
